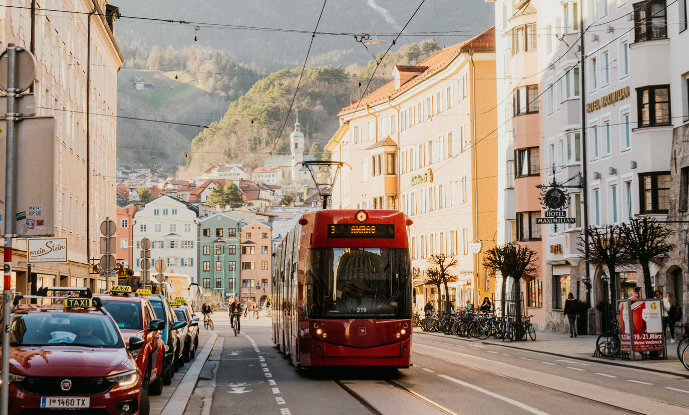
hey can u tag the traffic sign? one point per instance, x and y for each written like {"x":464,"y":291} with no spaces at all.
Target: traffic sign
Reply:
{"x":145,"y":263}
{"x":160,"y":266}
{"x":108,"y":245}
{"x":25,"y":64}
{"x":145,"y":243}
{"x":107,"y":262}
{"x":145,"y":253}
{"x":476,"y":247}
{"x":108,"y":227}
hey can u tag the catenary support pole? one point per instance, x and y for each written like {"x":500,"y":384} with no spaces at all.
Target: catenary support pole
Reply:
{"x":585,"y":159}
{"x":10,"y":183}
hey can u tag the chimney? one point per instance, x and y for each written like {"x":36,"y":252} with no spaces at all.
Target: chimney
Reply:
{"x":404,"y":73}
{"x":112,"y":13}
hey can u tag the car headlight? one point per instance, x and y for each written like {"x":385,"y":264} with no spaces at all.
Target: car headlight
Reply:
{"x":14,"y":378}
{"x":124,"y":378}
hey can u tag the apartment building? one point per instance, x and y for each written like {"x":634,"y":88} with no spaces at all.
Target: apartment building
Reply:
{"x":172,"y":227}
{"x":125,"y":234}
{"x":424,"y":144}
{"x":256,"y":257}
{"x":77,"y":62}
{"x":219,"y":254}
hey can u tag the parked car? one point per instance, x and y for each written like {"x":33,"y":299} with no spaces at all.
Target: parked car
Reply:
{"x":191,"y":330}
{"x":70,"y":357}
{"x":170,"y":336}
{"x":135,"y":317}
{"x":181,"y":334}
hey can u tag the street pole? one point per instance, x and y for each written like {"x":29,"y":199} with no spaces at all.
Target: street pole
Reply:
{"x":584,"y":163}
{"x":9,"y":225}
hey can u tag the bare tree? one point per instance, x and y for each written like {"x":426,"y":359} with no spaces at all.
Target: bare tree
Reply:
{"x":443,"y":263}
{"x":605,"y":247}
{"x":516,"y":261}
{"x":645,"y":240}
{"x":433,"y":278}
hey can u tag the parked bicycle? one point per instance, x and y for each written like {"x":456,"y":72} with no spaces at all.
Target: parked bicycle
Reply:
{"x":608,"y":343}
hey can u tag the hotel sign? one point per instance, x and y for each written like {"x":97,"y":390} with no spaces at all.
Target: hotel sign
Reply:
{"x":608,"y":99}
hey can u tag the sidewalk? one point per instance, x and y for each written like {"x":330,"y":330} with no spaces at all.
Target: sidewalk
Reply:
{"x":583,"y":347}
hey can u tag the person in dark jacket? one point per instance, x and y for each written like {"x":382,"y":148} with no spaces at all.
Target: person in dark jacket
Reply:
{"x":571,"y":313}
{"x":486,"y":305}
{"x":428,"y":309}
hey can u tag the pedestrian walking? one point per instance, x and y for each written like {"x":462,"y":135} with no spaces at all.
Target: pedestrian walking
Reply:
{"x":674,"y":314}
{"x":428,"y":309}
{"x":571,"y":313}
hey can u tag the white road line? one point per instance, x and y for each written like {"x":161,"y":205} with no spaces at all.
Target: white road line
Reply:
{"x":276,"y":391}
{"x":268,"y":375}
{"x":279,"y":400}
{"x":574,"y":363}
{"x":576,"y":368}
{"x":505,"y":354}
{"x":678,"y":390}
{"x":548,"y":363}
{"x":271,"y":382}
{"x":607,"y":376}
{"x":264,"y":364}
{"x":428,"y":370}
{"x":488,"y":351}
{"x":265,"y":369}
{"x":285,"y":411}
{"x":525,"y":358}
{"x":473,"y":348}
{"x":495,"y":395}
{"x":638,"y":381}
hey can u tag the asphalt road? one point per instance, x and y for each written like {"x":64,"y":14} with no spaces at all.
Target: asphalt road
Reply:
{"x":449,"y":376}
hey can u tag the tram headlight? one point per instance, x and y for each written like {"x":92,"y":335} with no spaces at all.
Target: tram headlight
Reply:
{"x":403,"y":331}
{"x":319,"y":331}
{"x":398,"y":335}
{"x":325,"y":335}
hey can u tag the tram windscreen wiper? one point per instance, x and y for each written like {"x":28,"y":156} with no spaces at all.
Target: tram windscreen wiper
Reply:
{"x":376,"y":313}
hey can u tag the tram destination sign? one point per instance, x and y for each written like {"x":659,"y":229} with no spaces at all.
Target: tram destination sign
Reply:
{"x":383,"y":231}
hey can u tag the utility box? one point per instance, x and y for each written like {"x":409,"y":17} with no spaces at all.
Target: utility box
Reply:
{"x":36,"y":165}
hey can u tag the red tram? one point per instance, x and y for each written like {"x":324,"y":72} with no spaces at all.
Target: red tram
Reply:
{"x":342,"y":290}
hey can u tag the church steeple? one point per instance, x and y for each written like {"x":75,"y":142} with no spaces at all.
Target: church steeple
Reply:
{"x":297,"y":147}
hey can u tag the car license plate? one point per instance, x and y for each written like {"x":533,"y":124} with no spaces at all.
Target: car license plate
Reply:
{"x":57,"y":402}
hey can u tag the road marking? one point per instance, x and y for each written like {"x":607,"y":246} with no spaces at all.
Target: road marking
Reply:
{"x":608,"y":376}
{"x":271,"y":382}
{"x":265,"y":369}
{"x":678,"y":390}
{"x":638,"y":381}
{"x":261,"y":359}
{"x":505,"y":354}
{"x":285,"y":411}
{"x":276,"y":390}
{"x":525,"y":358}
{"x":473,"y":348}
{"x":428,"y":370}
{"x":548,"y":363}
{"x":268,"y":375}
{"x":488,"y":351}
{"x":264,"y":364}
{"x":574,"y":363}
{"x":279,"y":400}
{"x":495,"y":395}
{"x":576,"y":368}
{"x":239,"y":390}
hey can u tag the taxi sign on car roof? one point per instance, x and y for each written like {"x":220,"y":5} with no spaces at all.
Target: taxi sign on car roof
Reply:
{"x":173,"y":302}
{"x":120,"y":289}
{"x":142,"y":291}
{"x":77,"y":302}
{"x":180,"y":300}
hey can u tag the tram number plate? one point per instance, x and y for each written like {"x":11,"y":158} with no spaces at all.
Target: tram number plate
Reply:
{"x":385,"y":231}
{"x":57,"y":402}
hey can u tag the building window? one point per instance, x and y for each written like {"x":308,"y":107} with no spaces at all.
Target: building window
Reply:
{"x":524,"y":38}
{"x":264,"y":249}
{"x":156,"y":212}
{"x":390,"y":163}
{"x":264,"y":283}
{"x":606,"y":137}
{"x":264,"y":265}
{"x":232,"y":265}
{"x":247,"y":283}
{"x":575,"y":209}
{"x":166,"y":212}
{"x":594,"y":143}
{"x":218,"y":265}
{"x":207,"y":283}
{"x":157,"y":228}
{"x":124,"y":223}
{"x":173,"y":244}
{"x":613,"y":204}
{"x":655,"y":192}
{"x":528,"y":162}
{"x":248,"y":235}
{"x":246,"y":266}
{"x":174,"y":211}
{"x":561,"y":289}
{"x":594,"y":74}
{"x":187,"y":226}
{"x":231,"y":232}
{"x":654,"y":105}
{"x":535,"y":293}
{"x":528,"y":229}
{"x":124,"y":243}
{"x":356,"y":134}
{"x":207,"y":232}
{"x":371,"y":131}
{"x":206,"y":250}
{"x":206,"y":266}
{"x":606,"y":68}
{"x":629,"y":200}
{"x":650,"y":20}
{"x":525,"y":100}
{"x":218,"y":249}
{"x":596,"y":207}
{"x":626,"y":132}
{"x":429,"y":152}
{"x":573,"y":148}
{"x":682,"y":15}
{"x":393,"y":124}
{"x":232,"y":249}
{"x":624,"y":58}
{"x":248,"y":250}
{"x":572,"y":83}
{"x":218,"y":283}
{"x":219,"y":232}
{"x":448,"y":97}
{"x":142,"y":228}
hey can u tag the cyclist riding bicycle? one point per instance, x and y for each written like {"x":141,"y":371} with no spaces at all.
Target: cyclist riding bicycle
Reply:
{"x":206,"y":310}
{"x":235,"y":312}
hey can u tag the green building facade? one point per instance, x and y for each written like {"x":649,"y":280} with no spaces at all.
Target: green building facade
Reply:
{"x":219,"y":254}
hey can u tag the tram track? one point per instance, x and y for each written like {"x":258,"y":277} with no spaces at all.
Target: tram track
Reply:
{"x":374,"y":410}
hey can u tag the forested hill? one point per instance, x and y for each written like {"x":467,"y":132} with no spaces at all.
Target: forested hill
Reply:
{"x":250,"y":129}
{"x":450,"y":21}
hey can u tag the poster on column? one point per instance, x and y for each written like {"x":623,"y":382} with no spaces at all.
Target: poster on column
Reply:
{"x":644,"y":319}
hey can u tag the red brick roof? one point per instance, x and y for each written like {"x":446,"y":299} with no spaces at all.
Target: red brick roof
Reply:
{"x":194,"y":196}
{"x":266,"y":169}
{"x":484,"y":41}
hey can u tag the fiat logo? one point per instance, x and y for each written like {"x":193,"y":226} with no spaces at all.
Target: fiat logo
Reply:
{"x":66,"y":385}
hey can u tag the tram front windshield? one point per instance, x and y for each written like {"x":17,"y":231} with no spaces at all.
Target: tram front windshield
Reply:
{"x":357,"y":283}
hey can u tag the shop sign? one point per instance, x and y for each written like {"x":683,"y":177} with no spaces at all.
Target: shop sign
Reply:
{"x":45,"y":250}
{"x":555,"y":200}
{"x":641,"y":325}
{"x":607,"y":99}
{"x":422,"y":178}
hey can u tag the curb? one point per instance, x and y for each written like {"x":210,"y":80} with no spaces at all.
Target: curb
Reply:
{"x":180,"y":397}
{"x":604,"y":362}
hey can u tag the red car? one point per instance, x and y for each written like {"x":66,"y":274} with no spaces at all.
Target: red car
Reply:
{"x":70,"y":356}
{"x":135,"y":317}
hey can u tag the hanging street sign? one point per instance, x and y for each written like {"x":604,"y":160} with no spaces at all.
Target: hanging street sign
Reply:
{"x":555,"y":200}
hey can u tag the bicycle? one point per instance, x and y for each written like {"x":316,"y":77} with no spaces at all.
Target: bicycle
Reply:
{"x":234,"y":321}
{"x":207,"y":322}
{"x":682,"y":345}
{"x":608,"y":343}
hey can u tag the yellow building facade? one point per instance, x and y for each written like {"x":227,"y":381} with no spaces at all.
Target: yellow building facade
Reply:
{"x":425,"y":143}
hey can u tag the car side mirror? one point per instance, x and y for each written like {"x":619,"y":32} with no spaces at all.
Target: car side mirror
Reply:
{"x":194,"y":323}
{"x":195,"y":317}
{"x":178,"y":325}
{"x":136,"y":343}
{"x":156,"y":325}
